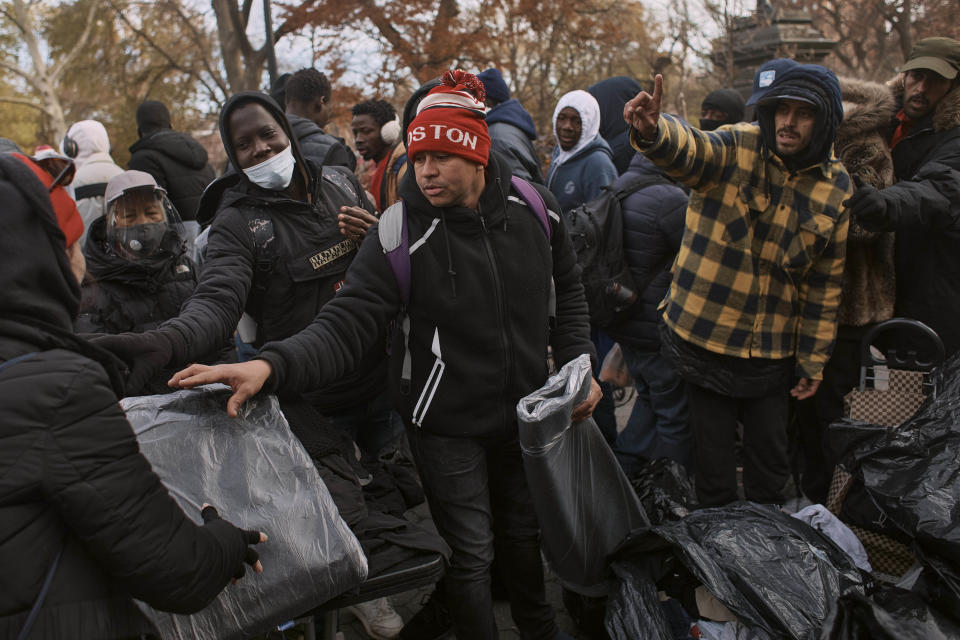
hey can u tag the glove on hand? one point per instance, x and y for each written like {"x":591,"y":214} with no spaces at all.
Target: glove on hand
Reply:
{"x":250,"y":557}
{"x":868,"y":208}
{"x":145,"y":354}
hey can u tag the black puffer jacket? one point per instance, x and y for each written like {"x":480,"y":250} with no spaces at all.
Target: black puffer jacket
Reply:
{"x":123,"y":295}
{"x":179,"y":165}
{"x":320,"y":147}
{"x":926,"y":204}
{"x":281,"y":261}
{"x":72,"y":480}
{"x":478,"y":312}
{"x":653,"y":223}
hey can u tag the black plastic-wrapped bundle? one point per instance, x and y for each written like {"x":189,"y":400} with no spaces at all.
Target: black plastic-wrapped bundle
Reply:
{"x":585,"y":503}
{"x":259,"y":477}
{"x":889,"y":614}
{"x":778,"y":575}
{"x":912,"y":472}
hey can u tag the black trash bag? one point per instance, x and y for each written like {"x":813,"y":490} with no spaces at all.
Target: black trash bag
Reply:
{"x":777,"y":574}
{"x":888,"y":614}
{"x":633,"y":609}
{"x":664,"y":490}
{"x":939,"y":583}
{"x":912,"y":473}
{"x":584,"y":502}
{"x":259,"y":477}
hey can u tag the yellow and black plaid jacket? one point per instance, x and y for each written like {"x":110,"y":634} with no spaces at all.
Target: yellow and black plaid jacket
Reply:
{"x":760,"y":266}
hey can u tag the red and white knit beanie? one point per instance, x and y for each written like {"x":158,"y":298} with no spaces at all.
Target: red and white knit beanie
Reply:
{"x":450,"y":119}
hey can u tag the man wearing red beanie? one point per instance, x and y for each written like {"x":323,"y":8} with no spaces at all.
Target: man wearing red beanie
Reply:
{"x":476,"y":332}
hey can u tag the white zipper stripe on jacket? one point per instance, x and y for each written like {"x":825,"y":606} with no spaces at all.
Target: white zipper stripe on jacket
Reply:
{"x":520,"y":201}
{"x":433,"y":381}
{"x":419,"y":243}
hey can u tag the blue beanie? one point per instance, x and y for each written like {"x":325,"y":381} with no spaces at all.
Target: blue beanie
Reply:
{"x":766,"y":75}
{"x":494,"y":85}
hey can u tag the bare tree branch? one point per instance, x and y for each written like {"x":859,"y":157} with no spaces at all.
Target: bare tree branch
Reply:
{"x":20,"y":72}
{"x":27,"y":102}
{"x":81,"y":42}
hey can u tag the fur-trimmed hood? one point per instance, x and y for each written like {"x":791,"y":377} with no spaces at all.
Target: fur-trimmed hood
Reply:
{"x":867,"y":108}
{"x":946,"y":115}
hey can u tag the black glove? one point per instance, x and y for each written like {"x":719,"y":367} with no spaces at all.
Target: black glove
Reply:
{"x":250,"y":557}
{"x":145,"y":354}
{"x":868,"y":208}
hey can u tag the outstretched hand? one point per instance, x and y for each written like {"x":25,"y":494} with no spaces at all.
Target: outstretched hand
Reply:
{"x":354,"y":222}
{"x":643,"y":111}
{"x":245,"y":378}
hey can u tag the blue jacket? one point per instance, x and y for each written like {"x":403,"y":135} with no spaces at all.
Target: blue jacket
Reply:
{"x":653,"y":221}
{"x":512,"y":133}
{"x":581,"y":178}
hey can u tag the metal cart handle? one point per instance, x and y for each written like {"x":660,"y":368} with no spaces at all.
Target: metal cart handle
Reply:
{"x":895,"y":359}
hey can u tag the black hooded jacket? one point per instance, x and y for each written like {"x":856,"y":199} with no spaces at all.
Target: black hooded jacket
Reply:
{"x":478,"y":312}
{"x":320,"y":147}
{"x":72,"y":480}
{"x":178,"y":163}
{"x":123,"y":295}
{"x":281,"y":261}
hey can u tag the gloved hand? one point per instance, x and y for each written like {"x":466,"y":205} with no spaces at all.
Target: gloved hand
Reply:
{"x":145,"y":354}
{"x":251,"y":557}
{"x":868,"y":208}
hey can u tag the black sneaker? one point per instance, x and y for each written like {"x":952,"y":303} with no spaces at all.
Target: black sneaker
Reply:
{"x":432,"y":622}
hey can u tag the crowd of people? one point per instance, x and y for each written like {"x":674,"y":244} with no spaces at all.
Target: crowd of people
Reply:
{"x":414,"y":309}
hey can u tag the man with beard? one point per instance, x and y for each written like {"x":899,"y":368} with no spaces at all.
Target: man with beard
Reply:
{"x":376,"y":131}
{"x":752,"y":308}
{"x":476,"y":331}
{"x":923,"y":206}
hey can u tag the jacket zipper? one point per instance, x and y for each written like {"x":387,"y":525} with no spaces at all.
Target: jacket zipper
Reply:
{"x":501,"y":320}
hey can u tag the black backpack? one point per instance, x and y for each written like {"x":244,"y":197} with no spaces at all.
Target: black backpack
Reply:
{"x":596,"y":230}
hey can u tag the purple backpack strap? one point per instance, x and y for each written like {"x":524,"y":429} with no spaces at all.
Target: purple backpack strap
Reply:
{"x":535,"y":201}
{"x":395,"y":240}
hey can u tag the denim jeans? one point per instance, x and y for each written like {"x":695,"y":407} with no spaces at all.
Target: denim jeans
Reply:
{"x":374,"y":426}
{"x":479,"y":500}
{"x":605,"y":412}
{"x":658,"y":427}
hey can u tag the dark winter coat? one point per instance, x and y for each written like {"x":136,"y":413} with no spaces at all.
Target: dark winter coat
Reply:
{"x":123,"y":295}
{"x":178,"y":163}
{"x":653,"y":223}
{"x":869,"y":282}
{"x":925,"y":203}
{"x":611,"y":95}
{"x":281,"y":261}
{"x":72,"y":480}
{"x":512,"y":133}
{"x":478,"y":312}
{"x":582,"y":178}
{"x":321,"y":148}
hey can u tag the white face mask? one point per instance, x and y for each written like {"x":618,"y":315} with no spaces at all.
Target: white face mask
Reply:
{"x":275,"y":172}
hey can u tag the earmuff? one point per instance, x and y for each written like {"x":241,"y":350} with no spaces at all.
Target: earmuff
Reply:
{"x":390,"y":132}
{"x":70,"y":147}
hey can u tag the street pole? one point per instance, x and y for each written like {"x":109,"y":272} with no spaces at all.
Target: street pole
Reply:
{"x":271,"y":54}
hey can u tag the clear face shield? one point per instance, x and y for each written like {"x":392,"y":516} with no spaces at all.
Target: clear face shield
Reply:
{"x":142,"y":223}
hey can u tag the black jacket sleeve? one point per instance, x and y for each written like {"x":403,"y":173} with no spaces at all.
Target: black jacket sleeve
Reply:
{"x":930,"y":199}
{"x":571,"y":335}
{"x":110,"y":498}
{"x":345,"y":329}
{"x":210,"y":316}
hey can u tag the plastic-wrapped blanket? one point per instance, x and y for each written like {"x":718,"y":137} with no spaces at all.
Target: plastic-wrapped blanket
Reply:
{"x":585,"y":503}
{"x":259,"y":477}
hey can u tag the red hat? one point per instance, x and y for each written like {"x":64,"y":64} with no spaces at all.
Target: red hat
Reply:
{"x":450,"y":119}
{"x":63,"y":205}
